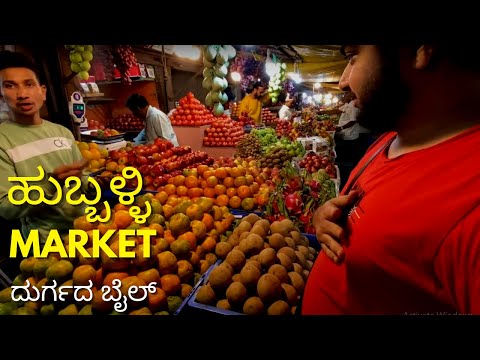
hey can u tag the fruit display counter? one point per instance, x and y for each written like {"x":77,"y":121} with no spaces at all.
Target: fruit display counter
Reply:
{"x":217,"y":152}
{"x":190,"y":136}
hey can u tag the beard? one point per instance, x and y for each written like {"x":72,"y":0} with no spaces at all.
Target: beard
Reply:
{"x":384,"y":97}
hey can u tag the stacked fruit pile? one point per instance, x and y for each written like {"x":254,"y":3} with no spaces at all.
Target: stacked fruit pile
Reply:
{"x":297,"y":194}
{"x":223,"y":132}
{"x":95,"y":125}
{"x":284,"y":129}
{"x":80,"y":57}
{"x":281,"y":153}
{"x":264,"y":271}
{"x":313,"y":162}
{"x":244,"y":120}
{"x":234,"y":111}
{"x":191,"y":112}
{"x":157,"y":163}
{"x":96,"y":156}
{"x":235,"y":187}
{"x":182,"y":249}
{"x":124,"y":59}
{"x":103,"y":64}
{"x":127,"y":122}
{"x":215,"y":59}
{"x":267,"y":116}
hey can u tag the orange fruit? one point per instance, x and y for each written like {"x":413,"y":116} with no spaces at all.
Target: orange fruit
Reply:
{"x":243,"y":191}
{"x":209,"y":244}
{"x":222,"y":200}
{"x":201,"y":169}
{"x":231,"y":192}
{"x":248,"y":204}
{"x":195,"y":192}
{"x":157,"y":300}
{"x":108,"y":280}
{"x":208,"y":173}
{"x":235,"y":202}
{"x":83,"y":274}
{"x":194,"y":212}
{"x":190,"y":238}
{"x":162,"y":196}
{"x":221,"y":173}
{"x":229,"y":182}
{"x":220,"y":189}
{"x":208,"y":221}
{"x":81,"y":223}
{"x":249,"y":179}
{"x":170,"y":283}
{"x":209,"y":192}
{"x":178,"y":180}
{"x":182,"y":190}
{"x":254,"y":187}
{"x":241,"y":180}
{"x":212,"y":181}
{"x":170,"y":189}
{"x":122,"y":219}
{"x":191,"y":181}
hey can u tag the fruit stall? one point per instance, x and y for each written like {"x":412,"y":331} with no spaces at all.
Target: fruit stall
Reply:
{"x":221,"y":224}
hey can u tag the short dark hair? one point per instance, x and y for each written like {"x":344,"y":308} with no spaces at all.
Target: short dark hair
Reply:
{"x":10,"y":59}
{"x":136,"y":101}
{"x":257,"y":85}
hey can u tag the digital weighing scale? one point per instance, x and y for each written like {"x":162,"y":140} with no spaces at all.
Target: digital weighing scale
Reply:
{"x":76,"y":108}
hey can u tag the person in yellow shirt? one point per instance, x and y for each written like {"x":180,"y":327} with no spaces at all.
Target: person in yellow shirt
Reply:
{"x":251,"y":104}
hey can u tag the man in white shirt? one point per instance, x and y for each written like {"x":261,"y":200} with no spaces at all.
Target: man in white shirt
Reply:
{"x":348,"y":128}
{"x":157,"y":123}
{"x":286,"y":111}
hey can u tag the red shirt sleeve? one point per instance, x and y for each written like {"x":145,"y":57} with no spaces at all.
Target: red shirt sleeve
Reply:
{"x":457,"y":264}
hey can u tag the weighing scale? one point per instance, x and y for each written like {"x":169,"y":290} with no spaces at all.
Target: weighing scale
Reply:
{"x":76,"y":108}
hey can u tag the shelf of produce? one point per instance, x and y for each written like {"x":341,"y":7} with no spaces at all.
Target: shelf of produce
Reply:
{"x":191,"y":136}
{"x":98,"y":100}
{"x":107,"y":82}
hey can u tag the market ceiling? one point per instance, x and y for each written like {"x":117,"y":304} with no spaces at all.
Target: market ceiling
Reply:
{"x":314,"y":63}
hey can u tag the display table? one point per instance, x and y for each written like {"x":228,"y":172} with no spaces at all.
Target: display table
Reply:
{"x":191,"y":136}
{"x":218,"y":151}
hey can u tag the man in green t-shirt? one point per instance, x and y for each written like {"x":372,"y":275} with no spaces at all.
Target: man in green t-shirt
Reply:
{"x":28,"y":141}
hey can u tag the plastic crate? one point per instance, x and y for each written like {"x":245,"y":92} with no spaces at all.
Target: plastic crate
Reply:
{"x":312,"y":239}
{"x":184,"y":304}
{"x":193,"y":295}
{"x":239,"y":213}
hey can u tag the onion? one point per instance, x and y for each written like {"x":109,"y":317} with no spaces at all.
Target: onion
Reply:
{"x":222,"y":56}
{"x":208,"y":99}
{"x":220,"y":70}
{"x":217,"y":83}
{"x":207,"y":63}
{"x":207,"y":83}
{"x":231,"y":52}
{"x":208,"y":73}
{"x":210,"y":53}
{"x":216,"y":96}
{"x":218,"y":109}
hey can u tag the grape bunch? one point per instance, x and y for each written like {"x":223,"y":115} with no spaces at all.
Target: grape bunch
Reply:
{"x":124,"y":59}
{"x":103,"y":61}
{"x":80,"y":57}
{"x":238,"y":64}
{"x":245,"y":82}
{"x":215,"y":59}
{"x":288,"y":86}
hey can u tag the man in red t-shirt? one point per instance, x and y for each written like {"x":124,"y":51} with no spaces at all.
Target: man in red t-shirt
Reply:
{"x":404,"y":235}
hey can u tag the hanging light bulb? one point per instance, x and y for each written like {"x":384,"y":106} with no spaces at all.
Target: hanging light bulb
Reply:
{"x":270,"y":66}
{"x":236,"y":76}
